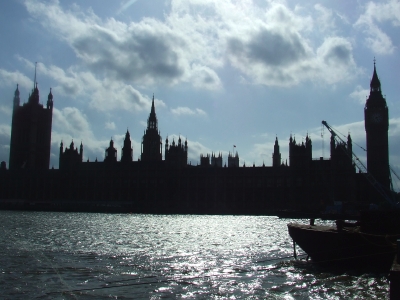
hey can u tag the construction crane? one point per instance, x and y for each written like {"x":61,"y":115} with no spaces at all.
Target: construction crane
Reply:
{"x":356,"y":161}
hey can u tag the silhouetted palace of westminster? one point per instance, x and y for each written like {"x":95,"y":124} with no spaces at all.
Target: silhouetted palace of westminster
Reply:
{"x":153,"y":185}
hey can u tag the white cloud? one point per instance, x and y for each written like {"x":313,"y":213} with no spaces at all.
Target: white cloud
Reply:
{"x":69,"y":124}
{"x":360,"y":94}
{"x":110,"y":125}
{"x":146,"y":53}
{"x":195,"y":149}
{"x":324,"y":18}
{"x":5,"y":135}
{"x":5,"y":110}
{"x":103,"y":94}
{"x":5,"y":130}
{"x":205,"y":77}
{"x":377,"y":39}
{"x":196,"y":39}
{"x":8,"y":78}
{"x":179,"y":111}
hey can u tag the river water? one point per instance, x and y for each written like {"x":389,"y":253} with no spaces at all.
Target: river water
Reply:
{"x":46,"y":255}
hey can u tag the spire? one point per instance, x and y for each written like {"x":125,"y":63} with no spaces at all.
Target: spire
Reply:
{"x":153,"y":111}
{"x":16,"y":93}
{"x":34,"y":97}
{"x":276,"y":156}
{"x":50,"y":96}
{"x":127,"y":151}
{"x":375,"y":98}
{"x":152,"y":121}
{"x":16,"y":97}
{"x":81,"y":150}
{"x":375,"y":84}
{"x":34,"y":79}
{"x":50,"y":100}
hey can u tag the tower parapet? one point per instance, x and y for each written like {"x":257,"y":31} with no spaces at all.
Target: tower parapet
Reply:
{"x":31,"y":132}
{"x":176,"y":155}
{"x":70,"y":158}
{"x":216,"y":161}
{"x":300,"y":155}
{"x":233,"y":160}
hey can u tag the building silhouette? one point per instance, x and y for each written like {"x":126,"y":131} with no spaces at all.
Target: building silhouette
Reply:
{"x":31,"y":132}
{"x":151,"y":141}
{"x":276,"y":156}
{"x":176,"y":154}
{"x":376,"y":117}
{"x":70,"y":158}
{"x":150,"y":184}
{"x":127,"y":150}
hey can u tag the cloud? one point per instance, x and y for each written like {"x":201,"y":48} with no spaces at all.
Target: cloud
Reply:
{"x":205,"y":77}
{"x":335,"y":60}
{"x":145,"y":53}
{"x":269,"y":45}
{"x":195,"y":149}
{"x":325,"y":19}
{"x":8,"y":78}
{"x":70,"y":124}
{"x":126,"y":5}
{"x":375,"y":13}
{"x":360,"y":94}
{"x":102,"y":94}
{"x":180,"y":111}
{"x":5,"y":135}
{"x":110,"y":125}
{"x":5,"y":110}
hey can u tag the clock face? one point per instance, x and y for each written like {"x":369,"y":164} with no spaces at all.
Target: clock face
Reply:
{"x":376,"y":117}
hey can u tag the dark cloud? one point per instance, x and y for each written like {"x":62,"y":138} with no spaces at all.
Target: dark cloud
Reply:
{"x":139,"y":54}
{"x":268,"y":48}
{"x":338,"y":54}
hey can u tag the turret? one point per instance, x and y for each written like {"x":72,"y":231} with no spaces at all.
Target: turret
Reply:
{"x":127,"y":150}
{"x":16,"y":101}
{"x":50,"y":100}
{"x":152,"y":120}
{"x":81,"y":151}
{"x":34,"y":98}
{"x":151,"y":141}
{"x":349,"y":145}
{"x":276,"y":156}
{"x":111,"y":153}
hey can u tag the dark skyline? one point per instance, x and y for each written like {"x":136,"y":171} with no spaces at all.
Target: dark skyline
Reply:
{"x":218,"y":83}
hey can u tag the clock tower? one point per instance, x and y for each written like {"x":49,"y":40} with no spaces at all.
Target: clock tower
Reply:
{"x":376,"y":118}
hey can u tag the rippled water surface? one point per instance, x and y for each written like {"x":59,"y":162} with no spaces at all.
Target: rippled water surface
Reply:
{"x":46,"y":255}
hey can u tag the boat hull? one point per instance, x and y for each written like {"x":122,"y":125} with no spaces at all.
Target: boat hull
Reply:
{"x":347,"y":247}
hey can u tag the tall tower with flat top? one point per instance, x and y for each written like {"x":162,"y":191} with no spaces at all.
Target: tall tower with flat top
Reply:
{"x":31,"y":132}
{"x":376,"y":116}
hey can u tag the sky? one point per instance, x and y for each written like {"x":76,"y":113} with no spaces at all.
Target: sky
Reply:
{"x":222,"y":73}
